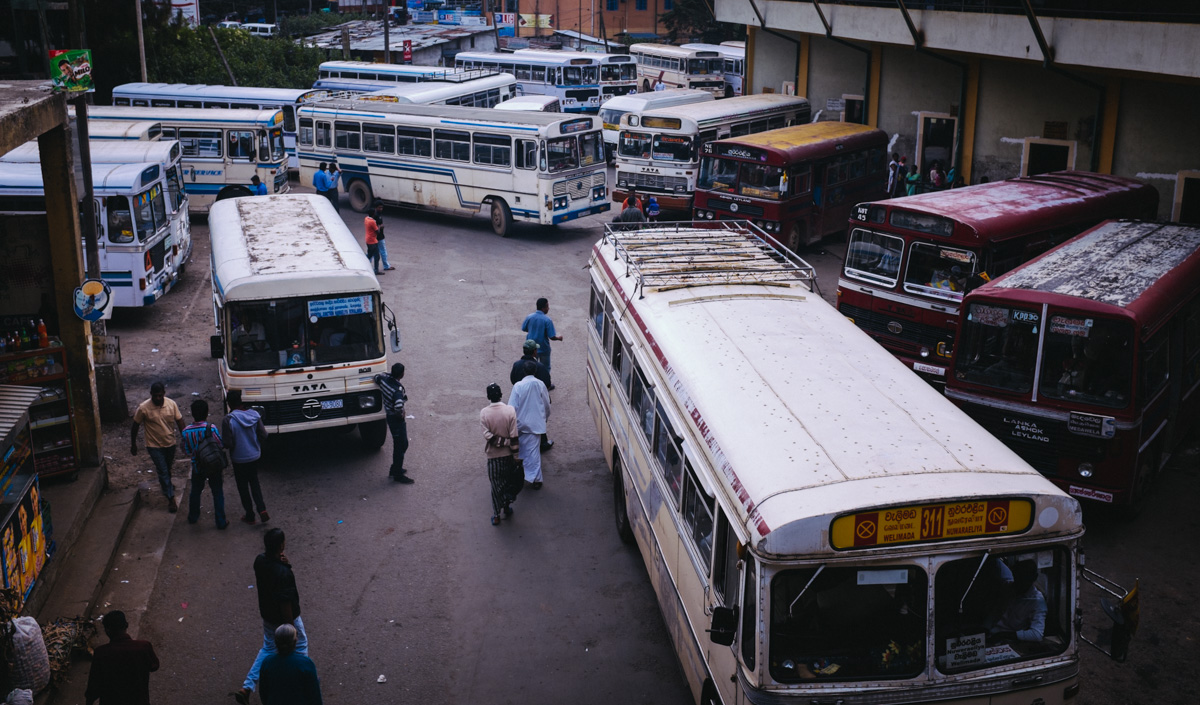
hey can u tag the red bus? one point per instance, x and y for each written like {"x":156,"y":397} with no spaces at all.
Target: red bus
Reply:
{"x":1086,"y":361}
{"x":797,"y":183}
{"x":909,"y":260}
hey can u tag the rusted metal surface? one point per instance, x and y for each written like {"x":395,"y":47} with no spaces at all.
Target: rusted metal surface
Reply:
{"x":367,"y":35}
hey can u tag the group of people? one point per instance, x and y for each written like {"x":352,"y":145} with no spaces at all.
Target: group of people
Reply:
{"x":634,"y":210}
{"x":376,"y":247}
{"x":906,"y":180}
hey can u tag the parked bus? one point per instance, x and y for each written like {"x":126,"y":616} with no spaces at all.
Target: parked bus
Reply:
{"x":145,"y":131}
{"x":908,"y":260}
{"x":618,"y":72}
{"x":222,"y":148}
{"x":484,"y":92}
{"x":574,"y":80}
{"x":166,"y":154}
{"x":679,"y":68}
{"x":797,"y":183}
{"x":186,"y":95}
{"x":298,"y":314}
{"x":544,"y":168}
{"x":364,"y":75}
{"x":735,"y":63}
{"x":658,"y":152}
{"x":133,"y":228}
{"x":801,"y":499}
{"x":1086,"y":360}
{"x":612,"y":110}
{"x":531,"y":103}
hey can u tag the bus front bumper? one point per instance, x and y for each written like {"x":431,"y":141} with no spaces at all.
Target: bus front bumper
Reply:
{"x":665,"y":202}
{"x":581,"y":213}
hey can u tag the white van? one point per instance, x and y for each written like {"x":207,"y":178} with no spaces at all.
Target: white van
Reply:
{"x":532,"y":103}
{"x":614,"y":108}
{"x":257,"y":29}
{"x":228,"y":24}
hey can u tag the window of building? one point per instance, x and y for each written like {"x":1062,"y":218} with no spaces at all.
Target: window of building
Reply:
{"x":611,"y":5}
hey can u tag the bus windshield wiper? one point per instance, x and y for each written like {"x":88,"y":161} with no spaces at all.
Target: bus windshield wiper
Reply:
{"x":806,"y":586}
{"x":973,"y":579}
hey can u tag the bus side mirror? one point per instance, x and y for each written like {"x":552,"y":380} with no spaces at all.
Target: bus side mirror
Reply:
{"x":723,"y":627}
{"x":393,"y":330}
{"x":216,"y":347}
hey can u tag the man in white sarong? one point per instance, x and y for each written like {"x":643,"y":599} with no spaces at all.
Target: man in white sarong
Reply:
{"x":531,"y":399}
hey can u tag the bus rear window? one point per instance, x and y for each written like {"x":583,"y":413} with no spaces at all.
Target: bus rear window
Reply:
{"x":998,"y":347}
{"x":922,"y":223}
{"x":1087,"y":360}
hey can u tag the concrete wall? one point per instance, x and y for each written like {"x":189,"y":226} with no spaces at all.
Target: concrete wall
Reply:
{"x":1157,"y":135}
{"x":775,"y":62}
{"x":834,"y":70}
{"x":911,"y":83}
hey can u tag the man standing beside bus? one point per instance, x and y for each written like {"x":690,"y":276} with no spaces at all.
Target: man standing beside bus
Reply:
{"x":532,"y":403}
{"x":326,"y":184}
{"x":394,"y":400}
{"x":257,"y":187}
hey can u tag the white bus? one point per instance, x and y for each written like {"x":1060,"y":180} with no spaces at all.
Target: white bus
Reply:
{"x":573,"y":78}
{"x":133,"y":229}
{"x":165,"y":153}
{"x":618,"y":72}
{"x":222,"y":148}
{"x":145,"y":131}
{"x":611,"y":111}
{"x":544,"y":168}
{"x":483,"y":92}
{"x":531,"y":103}
{"x":735,"y":64}
{"x":361,"y":76}
{"x":819,"y":525}
{"x":658,"y":152}
{"x":677,"y":67}
{"x":298,"y":315}
{"x":187,"y":95}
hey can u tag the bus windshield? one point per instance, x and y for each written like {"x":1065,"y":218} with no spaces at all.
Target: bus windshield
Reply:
{"x":874,"y":257}
{"x":611,"y":116}
{"x":120,"y":220}
{"x":938,"y":271}
{"x":999,"y":347}
{"x":672,"y":148}
{"x":618,"y":72}
{"x":635,"y":144}
{"x":271,"y":148}
{"x":851,"y":623}
{"x":562,"y":153}
{"x":1087,"y":360}
{"x":763,"y":181}
{"x":267,"y":335}
{"x":718,"y":175}
{"x":697,"y":67}
{"x":150,"y":212}
{"x":175,"y":186}
{"x":572,"y":75}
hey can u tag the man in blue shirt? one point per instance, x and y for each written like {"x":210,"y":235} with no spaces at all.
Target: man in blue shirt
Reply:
{"x":325,"y":181}
{"x":257,"y":187}
{"x":540,"y":329}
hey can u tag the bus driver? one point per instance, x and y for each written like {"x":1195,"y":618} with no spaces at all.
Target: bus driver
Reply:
{"x":1024,"y":618}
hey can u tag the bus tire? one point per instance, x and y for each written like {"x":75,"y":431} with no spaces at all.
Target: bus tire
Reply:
{"x":709,"y":694}
{"x":373,"y":433}
{"x":501,"y":218}
{"x":236,"y":191}
{"x":620,"y":510}
{"x":798,"y":238}
{"x":360,"y":195}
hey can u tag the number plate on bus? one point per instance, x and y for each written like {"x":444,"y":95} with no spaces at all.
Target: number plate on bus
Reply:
{"x":331,"y":404}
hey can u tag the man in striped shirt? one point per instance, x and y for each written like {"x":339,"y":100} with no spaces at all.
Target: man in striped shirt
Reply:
{"x":394,"y":399}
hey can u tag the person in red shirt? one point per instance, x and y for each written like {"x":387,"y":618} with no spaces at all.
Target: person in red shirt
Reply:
{"x":374,"y":235}
{"x":121,"y":668}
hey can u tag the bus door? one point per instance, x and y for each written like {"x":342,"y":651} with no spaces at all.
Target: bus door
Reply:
{"x":204,"y":164}
{"x":241,"y":157}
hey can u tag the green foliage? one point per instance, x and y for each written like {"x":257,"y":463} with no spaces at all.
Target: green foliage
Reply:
{"x":305,"y":25}
{"x":693,"y":20}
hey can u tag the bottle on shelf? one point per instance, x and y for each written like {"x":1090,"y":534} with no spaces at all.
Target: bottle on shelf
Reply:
{"x":43,"y":336}
{"x":26,"y":342}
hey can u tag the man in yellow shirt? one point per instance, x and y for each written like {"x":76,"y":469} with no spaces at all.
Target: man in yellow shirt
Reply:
{"x":160,"y":416}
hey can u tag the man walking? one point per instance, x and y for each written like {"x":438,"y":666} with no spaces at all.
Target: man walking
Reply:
{"x":376,"y":216}
{"x":161,"y":417}
{"x":278,"y":603}
{"x":499,"y":421}
{"x":893,"y":173}
{"x":193,"y":436}
{"x":530,"y":350}
{"x":531,"y":401}
{"x":540,"y":329}
{"x":394,"y":399}
{"x":372,"y":239}
{"x":121,"y":668}
{"x":244,"y":433}
{"x":287,"y":677}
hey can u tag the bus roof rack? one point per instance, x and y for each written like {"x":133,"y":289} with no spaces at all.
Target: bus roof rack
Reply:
{"x":675,"y":255}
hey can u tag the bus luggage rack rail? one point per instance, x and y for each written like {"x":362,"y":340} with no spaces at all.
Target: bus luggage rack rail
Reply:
{"x":704,"y":253}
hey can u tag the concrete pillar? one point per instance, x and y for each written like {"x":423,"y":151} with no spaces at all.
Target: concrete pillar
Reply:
{"x":967,"y":114}
{"x":802,"y":66}
{"x":748,"y":80}
{"x":1108,"y":124}
{"x":66,"y":258}
{"x":873,"y":86}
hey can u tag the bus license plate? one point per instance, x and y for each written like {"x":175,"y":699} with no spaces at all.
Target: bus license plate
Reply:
{"x":331,"y":404}
{"x":929,"y":369}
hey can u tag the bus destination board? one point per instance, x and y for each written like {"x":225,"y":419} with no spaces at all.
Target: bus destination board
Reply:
{"x":923,"y":523}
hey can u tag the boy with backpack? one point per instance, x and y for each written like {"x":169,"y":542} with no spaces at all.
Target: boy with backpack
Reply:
{"x":202,"y":443}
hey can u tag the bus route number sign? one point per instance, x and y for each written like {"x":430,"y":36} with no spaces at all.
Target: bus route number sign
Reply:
{"x":925,"y":523}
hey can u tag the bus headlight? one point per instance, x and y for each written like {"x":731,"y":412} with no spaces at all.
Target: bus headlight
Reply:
{"x":680,"y":188}
{"x":598,"y":193}
{"x":924,"y":353}
{"x":708,"y":215}
{"x":561,"y":202}
{"x":623,"y":183}
{"x":367,"y":401}
{"x":1086,"y":469}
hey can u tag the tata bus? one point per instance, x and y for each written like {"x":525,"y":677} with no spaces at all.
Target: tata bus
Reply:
{"x":543,"y":168}
{"x":818,"y":524}
{"x":222,"y":148}
{"x":133,"y":227}
{"x":1086,"y":360}
{"x":484,"y":92}
{"x":189,"y":95}
{"x":796,"y":183}
{"x":678,"y":67}
{"x":658,"y":151}
{"x":735,"y":63}
{"x":572,"y":78}
{"x":299,"y":315}
{"x":909,"y":260}
{"x":166,"y":154}
{"x":618,"y":72}
{"x":638,"y":103}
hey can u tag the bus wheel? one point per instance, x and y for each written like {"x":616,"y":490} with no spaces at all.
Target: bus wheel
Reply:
{"x":624,"y":529}
{"x":233,"y":192}
{"x":708,"y":694}
{"x":373,"y":433}
{"x":501,"y":218}
{"x":797,"y":239}
{"x":360,"y":196}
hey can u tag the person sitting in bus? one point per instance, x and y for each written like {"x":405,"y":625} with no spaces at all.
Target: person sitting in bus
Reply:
{"x":257,"y":187}
{"x":1024,"y":617}
{"x":249,"y":335}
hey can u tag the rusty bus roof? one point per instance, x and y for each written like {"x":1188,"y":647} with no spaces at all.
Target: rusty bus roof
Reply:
{"x":810,"y":140}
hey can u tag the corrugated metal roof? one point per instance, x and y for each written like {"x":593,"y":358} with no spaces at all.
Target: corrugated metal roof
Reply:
{"x":367,"y":35}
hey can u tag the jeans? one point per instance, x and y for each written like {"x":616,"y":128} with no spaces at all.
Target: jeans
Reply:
{"x":163,"y":459}
{"x":544,"y":357}
{"x":399,"y":428}
{"x":383,"y":255}
{"x":246,"y":477}
{"x":214,"y":484}
{"x":332,"y":195}
{"x":268,"y":648}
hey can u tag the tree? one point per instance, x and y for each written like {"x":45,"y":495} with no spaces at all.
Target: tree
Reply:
{"x":691,"y":20}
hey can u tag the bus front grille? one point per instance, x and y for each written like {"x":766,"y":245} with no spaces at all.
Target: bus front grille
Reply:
{"x":658,"y":182}
{"x":912,"y":337}
{"x":1039,"y":441}
{"x":583,"y":95}
{"x":293,"y":411}
{"x":611,"y":91}
{"x":579,"y":188}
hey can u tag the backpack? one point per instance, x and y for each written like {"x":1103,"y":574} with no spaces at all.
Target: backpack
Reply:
{"x":210,"y":458}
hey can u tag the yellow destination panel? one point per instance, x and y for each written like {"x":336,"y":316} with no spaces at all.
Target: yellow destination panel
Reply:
{"x":931,"y":522}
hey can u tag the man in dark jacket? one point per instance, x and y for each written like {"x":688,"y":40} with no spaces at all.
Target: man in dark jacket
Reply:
{"x":243,"y":433}
{"x":121,"y":668}
{"x":394,"y":400}
{"x":278,"y":603}
{"x":289,"y":678}
{"x":518,"y":373}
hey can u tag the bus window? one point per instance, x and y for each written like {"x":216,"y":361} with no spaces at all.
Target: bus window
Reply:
{"x":212,"y":105}
{"x":189,"y":104}
{"x":1088,"y":360}
{"x":999,"y":347}
{"x":874,"y":257}
{"x":493,"y":149}
{"x":158,"y":103}
{"x":266,"y":335}
{"x":801,"y":179}
{"x":1017,"y":604}
{"x":725,"y":572}
{"x":591,"y":75}
{"x":636,"y":144}
{"x":271,"y":145}
{"x":244,"y":106}
{"x":324,"y":138}
{"x":305,"y":135}
{"x":563,"y":154}
{"x":175,"y":186}
{"x":666,"y":449}
{"x":762,"y":181}
{"x":141,"y":103}
{"x":120,"y":220}
{"x":641,"y":399}
{"x":200,"y":143}
{"x":672,"y":148}
{"x":596,"y":310}
{"x":749,"y":615}
{"x":538,"y":74}
{"x":379,"y":138}
{"x":698,"y":515}
{"x":591,"y":147}
{"x":524,"y":72}
{"x":343,"y":337}
{"x":241,"y":144}
{"x":452,"y":145}
{"x":168,"y":133}
{"x":414,"y":141}
{"x":936,"y":270}
{"x":848,"y":623}
{"x":526,"y":154}
{"x":718,"y":175}
{"x":347,"y":135}
{"x":572,"y":76}
{"x":150,"y":212}
{"x":120,"y":101}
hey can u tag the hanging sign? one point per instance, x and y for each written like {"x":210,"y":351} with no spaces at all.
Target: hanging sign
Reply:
{"x":71,"y":70}
{"x":92,"y":299}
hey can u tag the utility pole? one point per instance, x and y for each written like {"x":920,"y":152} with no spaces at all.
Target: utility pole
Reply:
{"x":137,"y":6}
{"x":387,"y":35}
{"x":221,"y":54}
